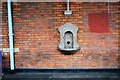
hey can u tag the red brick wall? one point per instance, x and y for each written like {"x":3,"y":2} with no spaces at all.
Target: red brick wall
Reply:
{"x":35,"y":34}
{"x":0,"y":27}
{"x":98,"y":22}
{"x":0,"y":36}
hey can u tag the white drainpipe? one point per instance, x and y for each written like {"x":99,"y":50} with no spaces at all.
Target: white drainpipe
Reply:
{"x":68,"y":12}
{"x":10,"y":36}
{"x":68,"y":6}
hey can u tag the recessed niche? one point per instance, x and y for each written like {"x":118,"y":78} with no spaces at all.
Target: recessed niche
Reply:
{"x":68,"y":38}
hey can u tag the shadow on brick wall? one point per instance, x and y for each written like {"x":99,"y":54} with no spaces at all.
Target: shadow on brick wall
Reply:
{"x":0,"y":64}
{"x":119,"y":58}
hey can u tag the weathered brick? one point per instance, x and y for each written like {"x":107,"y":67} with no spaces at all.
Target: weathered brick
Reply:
{"x":35,"y":33}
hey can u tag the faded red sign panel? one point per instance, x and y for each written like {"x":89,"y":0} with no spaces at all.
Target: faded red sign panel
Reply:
{"x":98,"y":22}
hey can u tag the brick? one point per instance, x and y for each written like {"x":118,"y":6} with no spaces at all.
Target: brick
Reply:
{"x":35,"y":33}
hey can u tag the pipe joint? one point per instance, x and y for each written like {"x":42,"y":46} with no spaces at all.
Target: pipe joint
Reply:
{"x":11,"y":34}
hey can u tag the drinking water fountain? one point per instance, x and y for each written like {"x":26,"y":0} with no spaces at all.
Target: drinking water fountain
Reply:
{"x":68,"y":38}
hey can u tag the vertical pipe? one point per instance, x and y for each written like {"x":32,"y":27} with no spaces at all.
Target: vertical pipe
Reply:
{"x":68,"y":5}
{"x":108,"y":6}
{"x":10,"y":35}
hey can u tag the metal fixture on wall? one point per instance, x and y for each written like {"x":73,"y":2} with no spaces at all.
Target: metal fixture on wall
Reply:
{"x":68,"y":12}
{"x":68,"y":38}
{"x":10,"y":35}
